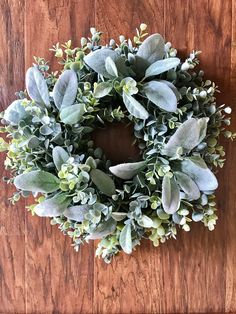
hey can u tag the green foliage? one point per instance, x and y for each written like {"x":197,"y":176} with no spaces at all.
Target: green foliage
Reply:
{"x":176,"y":124}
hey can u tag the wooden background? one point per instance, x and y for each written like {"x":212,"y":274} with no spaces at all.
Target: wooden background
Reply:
{"x":39,"y":271}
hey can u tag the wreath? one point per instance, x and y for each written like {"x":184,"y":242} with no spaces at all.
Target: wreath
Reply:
{"x":176,"y":124}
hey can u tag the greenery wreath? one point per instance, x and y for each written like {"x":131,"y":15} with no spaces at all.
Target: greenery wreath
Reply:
{"x":176,"y":124}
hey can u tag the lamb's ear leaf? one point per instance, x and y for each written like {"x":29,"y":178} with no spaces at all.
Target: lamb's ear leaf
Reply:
{"x":103,"y":229}
{"x":202,"y":128}
{"x":186,"y":136}
{"x":15,"y":112}
{"x":76,"y":213}
{"x":53,"y":207}
{"x":111,"y":67}
{"x":152,"y":48}
{"x":170,"y":195}
{"x":118,"y":216}
{"x":134,"y":107}
{"x":65,"y":89}
{"x":125,"y":239}
{"x":173,"y":88}
{"x":187,"y":185}
{"x":96,"y":60}
{"x":161,"y":95}
{"x":103,"y":182}
{"x":102,"y":89}
{"x":59,"y":156}
{"x":127,"y":171}
{"x":72,"y":114}
{"x":37,"y":181}
{"x":161,"y":66}
{"x":36,"y":86}
{"x":196,"y":168}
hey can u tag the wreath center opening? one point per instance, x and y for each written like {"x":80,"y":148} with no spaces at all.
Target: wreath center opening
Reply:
{"x":117,"y":142}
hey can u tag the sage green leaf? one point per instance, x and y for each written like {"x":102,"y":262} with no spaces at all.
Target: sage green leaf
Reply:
{"x":134,"y":107}
{"x":125,"y":239}
{"x":103,"y":182}
{"x":187,"y":136}
{"x":102,"y":89}
{"x":76,"y":213}
{"x":37,"y":181}
{"x":65,"y":89}
{"x":145,"y":221}
{"x":53,"y":207}
{"x":72,"y":114}
{"x":173,"y":88}
{"x":152,"y":48}
{"x":202,"y":123}
{"x":161,"y":66}
{"x":170,"y":195}
{"x":161,"y":95}
{"x":60,"y":156}
{"x":111,"y":67}
{"x":36,"y":86}
{"x":15,"y":112}
{"x":104,"y":229}
{"x":127,"y":171}
{"x":96,"y":60}
{"x":197,"y":169}
{"x":118,"y":216}
{"x":197,"y":216}
{"x":187,"y":185}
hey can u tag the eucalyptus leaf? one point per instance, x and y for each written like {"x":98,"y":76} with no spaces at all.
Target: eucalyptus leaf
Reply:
{"x":104,"y":229}
{"x":145,"y":221}
{"x":37,"y":181}
{"x":36,"y":86}
{"x":53,"y":207}
{"x":161,"y":95}
{"x":77,"y":213}
{"x":72,"y":114}
{"x":65,"y":89}
{"x":161,"y":66}
{"x":187,"y":136}
{"x":111,"y":67}
{"x":118,"y":216}
{"x":197,"y":169}
{"x":15,"y":113}
{"x":170,"y":195}
{"x":134,"y":107}
{"x":60,"y":156}
{"x":125,"y":239}
{"x":103,"y":182}
{"x":197,"y":216}
{"x":152,"y":48}
{"x":96,"y":60}
{"x":102,"y":89}
{"x":127,"y":171}
{"x":187,"y":185}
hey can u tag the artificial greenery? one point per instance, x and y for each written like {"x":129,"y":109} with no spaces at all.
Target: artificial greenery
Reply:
{"x":176,"y":123}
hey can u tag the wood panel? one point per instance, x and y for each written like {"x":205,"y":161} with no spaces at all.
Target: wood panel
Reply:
{"x":62,"y":278}
{"x":39,"y":271}
{"x":12,"y":219}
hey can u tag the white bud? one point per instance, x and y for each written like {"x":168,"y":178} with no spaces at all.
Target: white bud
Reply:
{"x":228,"y":110}
{"x":185,"y":66}
{"x":203,"y":94}
{"x":122,"y":38}
{"x":143,"y":27}
{"x":93,"y":30}
{"x":83,"y":41}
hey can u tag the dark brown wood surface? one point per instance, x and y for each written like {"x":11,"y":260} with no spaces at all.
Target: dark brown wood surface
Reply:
{"x":39,"y":271}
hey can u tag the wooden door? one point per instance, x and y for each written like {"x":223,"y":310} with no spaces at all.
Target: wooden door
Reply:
{"x":39,"y":271}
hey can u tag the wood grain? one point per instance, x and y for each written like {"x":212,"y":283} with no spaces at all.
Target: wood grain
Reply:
{"x":39,"y":271}
{"x":12,"y":218}
{"x":62,"y":278}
